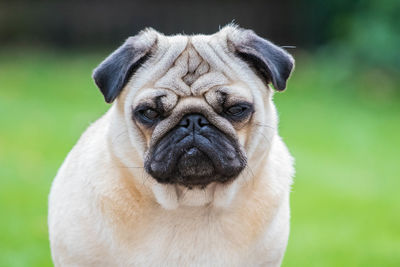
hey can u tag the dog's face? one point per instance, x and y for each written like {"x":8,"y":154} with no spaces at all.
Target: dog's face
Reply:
{"x":191,"y":102}
{"x":193,"y":139}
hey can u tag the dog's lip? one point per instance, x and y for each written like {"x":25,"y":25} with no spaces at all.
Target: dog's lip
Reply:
{"x":194,"y":153}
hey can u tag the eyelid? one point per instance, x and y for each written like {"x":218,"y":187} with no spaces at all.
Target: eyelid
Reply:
{"x":144,"y":106}
{"x":242,"y":104}
{"x":243,"y":115}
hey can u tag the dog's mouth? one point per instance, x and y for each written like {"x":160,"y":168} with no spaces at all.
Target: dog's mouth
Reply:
{"x":195,"y":157}
{"x":195,"y":165}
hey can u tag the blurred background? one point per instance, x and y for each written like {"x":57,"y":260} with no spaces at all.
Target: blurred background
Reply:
{"x":340,"y":115}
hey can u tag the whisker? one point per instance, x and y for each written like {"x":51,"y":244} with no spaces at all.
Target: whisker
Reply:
{"x":145,"y":176}
{"x":264,"y":125}
{"x":246,"y":175}
{"x":252,"y":173}
{"x":118,"y":136}
{"x":184,"y":191}
{"x":266,"y":138}
{"x":204,"y":191}
{"x":128,"y":167}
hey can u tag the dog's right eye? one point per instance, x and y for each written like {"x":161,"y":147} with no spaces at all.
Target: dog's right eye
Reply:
{"x":147,"y":115}
{"x":150,"y":114}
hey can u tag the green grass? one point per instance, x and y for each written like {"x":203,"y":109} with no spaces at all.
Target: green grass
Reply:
{"x":343,"y":129}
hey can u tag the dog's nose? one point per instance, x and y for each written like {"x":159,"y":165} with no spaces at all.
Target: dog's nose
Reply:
{"x":190,"y":121}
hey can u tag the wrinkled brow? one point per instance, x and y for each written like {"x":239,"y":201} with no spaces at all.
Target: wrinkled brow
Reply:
{"x":159,"y":99}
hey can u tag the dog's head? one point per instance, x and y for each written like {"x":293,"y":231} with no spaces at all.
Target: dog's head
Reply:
{"x":192,"y":103}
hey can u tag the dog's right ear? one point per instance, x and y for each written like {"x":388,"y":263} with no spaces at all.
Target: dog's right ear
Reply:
{"x":114,"y":72}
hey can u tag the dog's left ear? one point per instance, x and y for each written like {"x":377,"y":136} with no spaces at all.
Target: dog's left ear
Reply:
{"x":115,"y":71}
{"x":271,"y":62}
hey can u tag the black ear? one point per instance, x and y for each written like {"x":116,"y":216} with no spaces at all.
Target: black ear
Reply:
{"x":115,"y":71}
{"x":271,"y":62}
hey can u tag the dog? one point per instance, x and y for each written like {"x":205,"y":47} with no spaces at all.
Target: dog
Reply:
{"x":186,"y":168}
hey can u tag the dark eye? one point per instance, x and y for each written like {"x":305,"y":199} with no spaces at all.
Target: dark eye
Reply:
{"x":239,"y":112}
{"x":236,"y":110}
{"x":146,"y":115}
{"x":150,"y":114}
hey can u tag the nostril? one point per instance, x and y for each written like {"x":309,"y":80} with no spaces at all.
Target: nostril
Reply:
{"x":185,"y":123}
{"x":202,"y":122}
{"x":193,"y":120}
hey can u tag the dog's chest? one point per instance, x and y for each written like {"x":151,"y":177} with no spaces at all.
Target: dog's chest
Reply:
{"x":188,"y":239}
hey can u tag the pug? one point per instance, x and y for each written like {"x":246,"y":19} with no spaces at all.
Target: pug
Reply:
{"x":186,"y":168}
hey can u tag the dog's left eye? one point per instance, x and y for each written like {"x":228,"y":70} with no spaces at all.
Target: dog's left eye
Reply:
{"x":239,"y":112}
{"x":236,"y":110}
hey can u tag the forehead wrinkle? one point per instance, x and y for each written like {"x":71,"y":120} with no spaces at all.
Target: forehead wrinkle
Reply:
{"x":207,"y":52}
{"x":172,"y":79}
{"x":149,"y":96}
{"x":167,"y":50}
{"x":208,"y":81}
{"x":191,"y":74}
{"x":225,"y":69}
